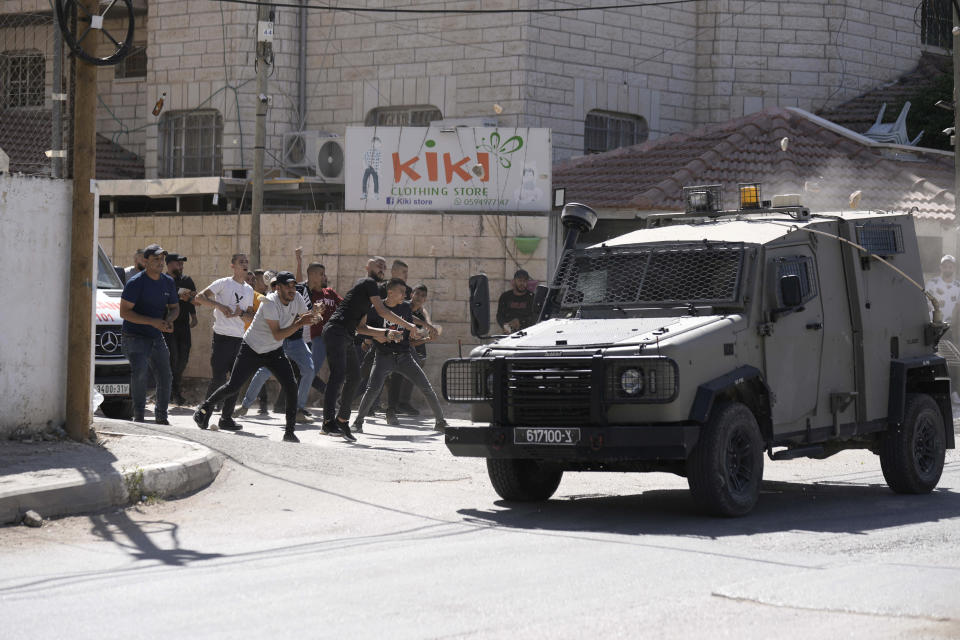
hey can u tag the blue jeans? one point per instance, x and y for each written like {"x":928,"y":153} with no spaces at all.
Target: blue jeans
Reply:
{"x":148,"y":355}
{"x":296,"y":350}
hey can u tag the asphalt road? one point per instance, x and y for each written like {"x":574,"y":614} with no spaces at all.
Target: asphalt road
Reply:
{"x":392,"y":536}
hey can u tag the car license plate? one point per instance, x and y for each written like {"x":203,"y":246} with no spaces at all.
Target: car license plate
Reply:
{"x":556,"y":436}
{"x":113,"y":389}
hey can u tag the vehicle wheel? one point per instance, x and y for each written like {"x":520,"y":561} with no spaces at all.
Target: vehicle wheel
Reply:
{"x":912,"y":456}
{"x":117,"y":409}
{"x":725,"y":468}
{"x":523,"y":480}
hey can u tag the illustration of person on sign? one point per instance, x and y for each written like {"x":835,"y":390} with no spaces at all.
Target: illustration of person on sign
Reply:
{"x":371,"y":163}
{"x":529,"y":191}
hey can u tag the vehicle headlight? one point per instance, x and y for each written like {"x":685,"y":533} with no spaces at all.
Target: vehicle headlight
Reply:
{"x":489,"y":382}
{"x":631,"y":381}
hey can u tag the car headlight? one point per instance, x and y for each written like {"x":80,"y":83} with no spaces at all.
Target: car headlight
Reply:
{"x":631,"y":381}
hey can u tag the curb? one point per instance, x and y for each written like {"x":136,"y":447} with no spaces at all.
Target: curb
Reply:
{"x":72,"y":497}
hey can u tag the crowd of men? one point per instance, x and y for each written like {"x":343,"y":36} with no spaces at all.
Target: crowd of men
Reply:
{"x":371,"y":337}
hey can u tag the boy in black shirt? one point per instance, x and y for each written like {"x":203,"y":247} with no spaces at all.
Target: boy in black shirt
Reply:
{"x":515,"y":307}
{"x":395,"y":356}
{"x":338,"y":335}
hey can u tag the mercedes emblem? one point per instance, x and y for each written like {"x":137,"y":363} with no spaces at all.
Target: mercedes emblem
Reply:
{"x":109,"y":341}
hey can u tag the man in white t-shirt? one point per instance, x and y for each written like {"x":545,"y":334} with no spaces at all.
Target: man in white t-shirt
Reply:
{"x":232,"y":302}
{"x":280,"y":315}
{"x":946,"y":289}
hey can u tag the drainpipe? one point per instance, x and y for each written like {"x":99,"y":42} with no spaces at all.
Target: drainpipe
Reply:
{"x":302,"y":70}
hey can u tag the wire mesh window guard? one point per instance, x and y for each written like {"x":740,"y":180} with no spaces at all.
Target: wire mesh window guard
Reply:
{"x":675,"y":274}
{"x":190,"y":144}
{"x":881,"y":238}
{"x":801,"y":266}
{"x":22,"y":78}
{"x":415,"y":116}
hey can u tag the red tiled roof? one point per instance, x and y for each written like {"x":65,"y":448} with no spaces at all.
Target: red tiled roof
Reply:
{"x":821,"y":163}
{"x":25,"y":136}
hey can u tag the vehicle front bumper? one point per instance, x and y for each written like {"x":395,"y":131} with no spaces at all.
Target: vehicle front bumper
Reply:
{"x":648,"y":443}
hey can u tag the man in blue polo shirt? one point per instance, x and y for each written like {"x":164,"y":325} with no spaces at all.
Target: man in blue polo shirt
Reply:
{"x":148,"y":306}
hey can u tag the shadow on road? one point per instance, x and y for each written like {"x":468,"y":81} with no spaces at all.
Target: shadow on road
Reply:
{"x":135,"y":538}
{"x":783,"y":506}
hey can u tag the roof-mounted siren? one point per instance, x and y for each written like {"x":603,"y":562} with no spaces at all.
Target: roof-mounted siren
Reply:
{"x":703,"y":200}
{"x":576,"y":218}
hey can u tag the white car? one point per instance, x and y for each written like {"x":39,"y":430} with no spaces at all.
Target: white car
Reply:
{"x":111,"y":375}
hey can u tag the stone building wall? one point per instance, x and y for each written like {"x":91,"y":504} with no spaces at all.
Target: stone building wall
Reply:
{"x":442,"y":251}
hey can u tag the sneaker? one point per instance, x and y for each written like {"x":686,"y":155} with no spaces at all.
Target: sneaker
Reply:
{"x":306,"y":412}
{"x":138,"y":419}
{"x":407,"y":409}
{"x":227,"y":424}
{"x":345,"y":432}
{"x":440,"y":425}
{"x":241,"y":411}
{"x":357,"y":427}
{"x":202,"y":417}
{"x":290,"y":436}
{"x":163,"y":421}
{"x":392,"y":418}
{"x":330,"y":429}
{"x":178,"y":400}
{"x":303,"y":417}
{"x":264,"y":409}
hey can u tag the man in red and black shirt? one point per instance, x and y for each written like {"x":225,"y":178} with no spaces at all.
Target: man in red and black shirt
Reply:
{"x":326,"y":300}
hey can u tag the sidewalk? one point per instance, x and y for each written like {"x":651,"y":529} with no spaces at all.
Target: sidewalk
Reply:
{"x":62,"y":478}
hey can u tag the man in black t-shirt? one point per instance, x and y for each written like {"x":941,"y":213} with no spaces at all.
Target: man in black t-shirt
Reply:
{"x":338,"y":334}
{"x":515,"y":306}
{"x":179,"y":342}
{"x":395,"y":357}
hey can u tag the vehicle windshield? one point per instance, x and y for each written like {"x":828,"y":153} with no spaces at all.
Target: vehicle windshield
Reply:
{"x":107,"y":277}
{"x":651,"y":275}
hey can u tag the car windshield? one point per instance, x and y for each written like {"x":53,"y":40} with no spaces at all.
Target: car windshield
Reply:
{"x":651,"y":275}
{"x":107,"y":277}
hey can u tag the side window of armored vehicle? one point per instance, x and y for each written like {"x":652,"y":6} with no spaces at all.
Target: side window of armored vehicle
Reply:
{"x":800,"y":266}
{"x":882,"y":238}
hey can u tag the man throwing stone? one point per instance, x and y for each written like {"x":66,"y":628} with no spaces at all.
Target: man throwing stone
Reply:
{"x":280,"y":315}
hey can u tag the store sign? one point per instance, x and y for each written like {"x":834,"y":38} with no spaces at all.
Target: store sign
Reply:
{"x":461,"y":169}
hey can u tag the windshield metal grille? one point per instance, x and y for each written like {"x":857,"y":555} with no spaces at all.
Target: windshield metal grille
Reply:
{"x":679,"y":273}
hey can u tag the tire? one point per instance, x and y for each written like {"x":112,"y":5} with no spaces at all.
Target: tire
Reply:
{"x":911,"y":456}
{"x":523,"y":480}
{"x":117,"y":409}
{"x":725,"y":468}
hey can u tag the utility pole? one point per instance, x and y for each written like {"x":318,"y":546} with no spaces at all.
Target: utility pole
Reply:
{"x":82,"y":281}
{"x":956,"y":110}
{"x":264,"y":57}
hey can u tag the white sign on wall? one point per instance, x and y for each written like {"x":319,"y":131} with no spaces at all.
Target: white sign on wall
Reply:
{"x":455,"y":169}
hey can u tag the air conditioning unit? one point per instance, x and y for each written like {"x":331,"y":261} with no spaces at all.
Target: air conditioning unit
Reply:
{"x":318,"y":153}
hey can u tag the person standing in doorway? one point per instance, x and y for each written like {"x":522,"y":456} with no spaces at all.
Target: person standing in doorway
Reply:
{"x":178,"y":342}
{"x":232,"y":301}
{"x":149,"y":305}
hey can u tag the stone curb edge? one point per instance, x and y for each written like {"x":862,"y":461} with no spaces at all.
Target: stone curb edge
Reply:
{"x":163,"y":480}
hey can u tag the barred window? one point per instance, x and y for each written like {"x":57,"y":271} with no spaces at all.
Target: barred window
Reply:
{"x":801,"y":266}
{"x":606,"y":130}
{"x":133,"y":66}
{"x":936,"y":23}
{"x":22,"y":79}
{"x":415,"y":116}
{"x":190,"y":144}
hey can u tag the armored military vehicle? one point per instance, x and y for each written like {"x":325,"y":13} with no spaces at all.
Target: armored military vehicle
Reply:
{"x":693,"y":348}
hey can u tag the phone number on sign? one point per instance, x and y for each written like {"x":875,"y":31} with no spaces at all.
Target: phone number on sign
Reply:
{"x":486,"y":202}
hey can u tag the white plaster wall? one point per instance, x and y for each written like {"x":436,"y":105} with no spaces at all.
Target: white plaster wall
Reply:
{"x":35,"y":262}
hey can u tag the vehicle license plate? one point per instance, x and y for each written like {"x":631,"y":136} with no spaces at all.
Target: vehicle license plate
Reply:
{"x":537,"y":435}
{"x":113,"y":389}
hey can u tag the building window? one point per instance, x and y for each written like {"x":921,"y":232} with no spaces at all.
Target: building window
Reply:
{"x":190,"y":144}
{"x":606,"y":130}
{"x":22,"y":79}
{"x":133,"y":66}
{"x":936,"y":23}
{"x":418,"y":116}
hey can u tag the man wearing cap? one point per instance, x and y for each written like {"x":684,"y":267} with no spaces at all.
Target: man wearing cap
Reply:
{"x":515,"y":307}
{"x":178,"y":342}
{"x":232,"y":302}
{"x":148,"y":306}
{"x":280,"y":315}
{"x":946,"y":289}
